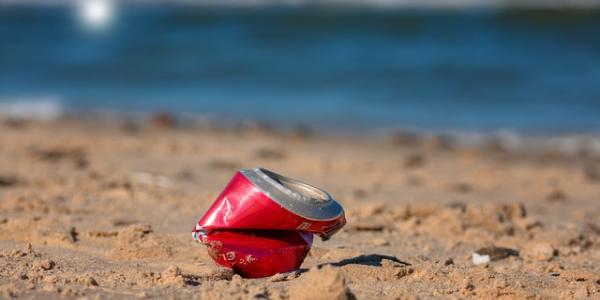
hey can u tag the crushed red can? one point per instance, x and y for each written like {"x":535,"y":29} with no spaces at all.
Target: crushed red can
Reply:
{"x":263,"y":223}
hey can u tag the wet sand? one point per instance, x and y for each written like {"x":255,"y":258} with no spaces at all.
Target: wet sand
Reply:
{"x":98,"y":210}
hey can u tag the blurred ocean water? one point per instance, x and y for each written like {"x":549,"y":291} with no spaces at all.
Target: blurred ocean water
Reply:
{"x":341,"y":69}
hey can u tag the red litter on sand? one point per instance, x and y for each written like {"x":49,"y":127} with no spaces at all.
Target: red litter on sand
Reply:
{"x":263,"y":223}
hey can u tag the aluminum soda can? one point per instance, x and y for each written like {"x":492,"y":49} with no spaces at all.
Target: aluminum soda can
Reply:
{"x":263,"y":223}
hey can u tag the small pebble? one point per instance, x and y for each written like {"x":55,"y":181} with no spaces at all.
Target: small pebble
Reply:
{"x":480,"y":259}
{"x":539,"y":251}
{"x":487,"y":254}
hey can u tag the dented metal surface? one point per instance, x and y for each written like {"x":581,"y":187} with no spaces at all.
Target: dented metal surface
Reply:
{"x":263,"y":223}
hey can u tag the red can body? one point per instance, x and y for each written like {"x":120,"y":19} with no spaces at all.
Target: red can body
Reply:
{"x":259,"y":253}
{"x":246,"y":229}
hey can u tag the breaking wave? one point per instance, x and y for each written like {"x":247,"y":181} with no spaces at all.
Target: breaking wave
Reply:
{"x":39,"y":109}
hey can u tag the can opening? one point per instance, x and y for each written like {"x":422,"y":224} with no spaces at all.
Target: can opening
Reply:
{"x":298,"y":187}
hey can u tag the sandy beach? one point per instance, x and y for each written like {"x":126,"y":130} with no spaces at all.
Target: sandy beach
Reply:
{"x":100,"y":210}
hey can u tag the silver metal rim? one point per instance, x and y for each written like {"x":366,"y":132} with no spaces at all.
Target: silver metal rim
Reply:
{"x":298,"y":197}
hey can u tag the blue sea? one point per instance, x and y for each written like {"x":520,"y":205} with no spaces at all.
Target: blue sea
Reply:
{"x":350,"y":69}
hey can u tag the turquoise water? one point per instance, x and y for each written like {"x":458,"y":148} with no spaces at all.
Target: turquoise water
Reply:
{"x":345,"y":69}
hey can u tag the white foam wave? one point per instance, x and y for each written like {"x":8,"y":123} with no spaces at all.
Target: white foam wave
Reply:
{"x":38,"y":109}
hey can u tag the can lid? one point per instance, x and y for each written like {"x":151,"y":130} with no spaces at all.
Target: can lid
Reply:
{"x":298,"y":197}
